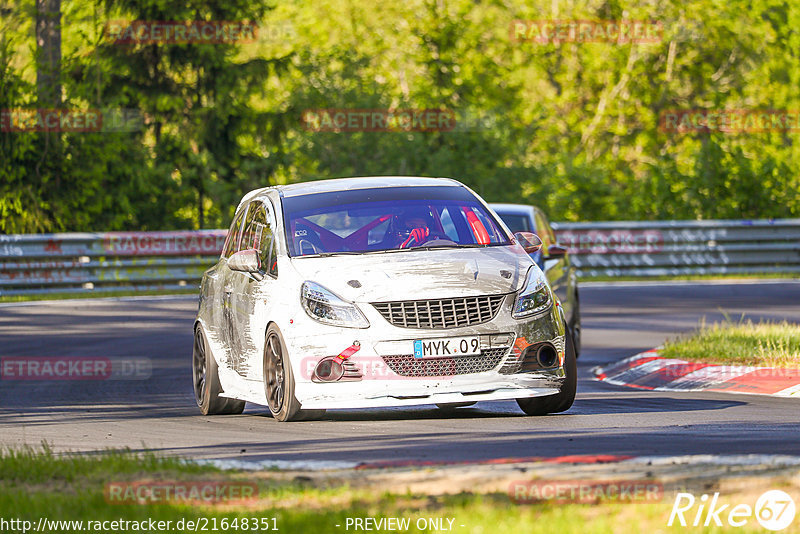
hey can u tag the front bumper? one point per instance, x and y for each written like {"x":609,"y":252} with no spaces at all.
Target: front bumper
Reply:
{"x":391,"y":377}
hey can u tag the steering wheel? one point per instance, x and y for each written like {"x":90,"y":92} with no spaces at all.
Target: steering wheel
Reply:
{"x":432,"y":236}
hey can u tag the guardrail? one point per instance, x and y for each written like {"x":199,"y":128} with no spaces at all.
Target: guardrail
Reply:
{"x":57,"y":263}
{"x":670,"y":248}
{"x":113,"y":261}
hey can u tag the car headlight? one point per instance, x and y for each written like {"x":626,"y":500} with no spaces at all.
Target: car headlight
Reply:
{"x":326,"y":307}
{"x":535,"y":297}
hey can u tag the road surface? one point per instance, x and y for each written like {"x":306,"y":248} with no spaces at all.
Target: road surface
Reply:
{"x":159,"y":413}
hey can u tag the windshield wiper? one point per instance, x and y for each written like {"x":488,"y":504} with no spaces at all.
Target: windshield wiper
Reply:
{"x":386,"y":250}
{"x":350,"y":253}
{"x":437,"y":247}
{"x":329,"y":254}
{"x":468,"y":245}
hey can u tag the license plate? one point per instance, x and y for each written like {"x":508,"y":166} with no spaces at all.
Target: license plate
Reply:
{"x":448,"y":346}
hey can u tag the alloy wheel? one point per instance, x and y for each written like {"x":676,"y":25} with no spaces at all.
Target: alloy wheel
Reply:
{"x":199,"y":365}
{"x":275,"y":374}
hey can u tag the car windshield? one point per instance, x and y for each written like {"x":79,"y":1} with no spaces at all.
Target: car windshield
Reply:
{"x":396,"y":218}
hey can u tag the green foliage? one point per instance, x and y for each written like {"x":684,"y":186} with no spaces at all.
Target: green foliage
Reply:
{"x":20,"y":201}
{"x":572,"y":127}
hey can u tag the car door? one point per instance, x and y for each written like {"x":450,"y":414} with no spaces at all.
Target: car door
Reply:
{"x":250,"y":294}
{"x":221,"y":310}
{"x":556,"y":269}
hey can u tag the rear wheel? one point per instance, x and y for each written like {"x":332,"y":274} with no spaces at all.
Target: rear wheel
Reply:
{"x":207,"y":388}
{"x":561,"y":401}
{"x":279,"y":381}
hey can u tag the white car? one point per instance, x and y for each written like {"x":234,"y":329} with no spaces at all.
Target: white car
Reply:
{"x":377,"y":292}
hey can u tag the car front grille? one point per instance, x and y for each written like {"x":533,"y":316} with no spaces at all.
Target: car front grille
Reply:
{"x":440,"y":313}
{"x":407,"y":365}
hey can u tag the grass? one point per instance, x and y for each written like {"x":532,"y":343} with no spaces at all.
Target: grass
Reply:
{"x":38,"y":466}
{"x":38,"y":483}
{"x":769,"y":344}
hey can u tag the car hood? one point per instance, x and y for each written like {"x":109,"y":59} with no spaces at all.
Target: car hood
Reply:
{"x":419,"y":274}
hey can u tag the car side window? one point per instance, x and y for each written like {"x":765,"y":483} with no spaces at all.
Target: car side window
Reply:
{"x":232,"y":241}
{"x":259,"y":234}
{"x":253,"y":227}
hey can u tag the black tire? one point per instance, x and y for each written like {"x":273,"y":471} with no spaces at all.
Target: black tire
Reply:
{"x":576,"y":326}
{"x":205,"y":379}
{"x":561,"y":401}
{"x":451,"y":406}
{"x":279,"y":381}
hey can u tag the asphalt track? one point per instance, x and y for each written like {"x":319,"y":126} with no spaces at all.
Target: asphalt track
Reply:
{"x":159,"y":414}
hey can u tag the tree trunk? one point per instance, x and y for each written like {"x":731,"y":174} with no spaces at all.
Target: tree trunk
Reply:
{"x":48,"y":77}
{"x":48,"y":43}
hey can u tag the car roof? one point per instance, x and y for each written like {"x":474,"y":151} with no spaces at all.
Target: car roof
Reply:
{"x":362,"y":182}
{"x":345,"y":184}
{"x":518,"y":209}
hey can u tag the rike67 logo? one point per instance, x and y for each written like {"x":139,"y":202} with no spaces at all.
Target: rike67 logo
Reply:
{"x":774,"y":510}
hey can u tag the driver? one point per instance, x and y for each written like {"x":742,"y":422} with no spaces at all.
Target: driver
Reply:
{"x":413,"y":226}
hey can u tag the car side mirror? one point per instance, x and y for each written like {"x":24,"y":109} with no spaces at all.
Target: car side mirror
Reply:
{"x":529,"y":241}
{"x":246,"y":261}
{"x":556,"y":252}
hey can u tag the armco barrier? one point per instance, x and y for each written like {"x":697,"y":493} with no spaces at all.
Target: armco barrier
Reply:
{"x":668,"y":248}
{"x":54,"y":263}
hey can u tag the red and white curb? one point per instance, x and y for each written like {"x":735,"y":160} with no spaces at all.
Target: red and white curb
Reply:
{"x":648,"y":370}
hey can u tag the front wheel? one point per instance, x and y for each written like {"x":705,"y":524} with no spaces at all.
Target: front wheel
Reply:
{"x":279,"y":381}
{"x":576,"y":325}
{"x":561,"y":401}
